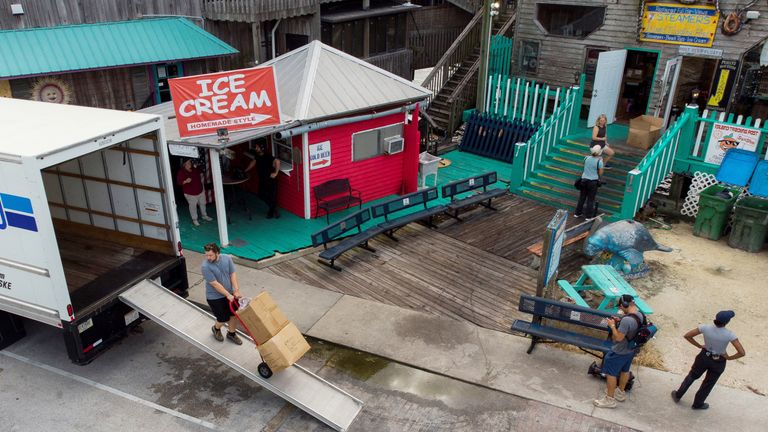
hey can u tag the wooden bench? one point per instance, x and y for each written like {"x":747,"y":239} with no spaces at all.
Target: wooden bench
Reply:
{"x":335,"y":195}
{"x":572,"y":235}
{"x":451,"y":190}
{"x":354,"y":221}
{"x":564,"y":312}
{"x":394,"y":205}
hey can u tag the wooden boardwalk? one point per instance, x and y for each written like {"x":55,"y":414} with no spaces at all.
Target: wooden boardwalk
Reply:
{"x":473,"y":270}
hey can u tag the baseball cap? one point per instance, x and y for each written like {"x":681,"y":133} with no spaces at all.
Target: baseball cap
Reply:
{"x":596,"y":150}
{"x":724,"y":316}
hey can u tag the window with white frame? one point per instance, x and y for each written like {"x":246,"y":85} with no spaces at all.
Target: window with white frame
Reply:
{"x":283,"y":151}
{"x":374,"y":142}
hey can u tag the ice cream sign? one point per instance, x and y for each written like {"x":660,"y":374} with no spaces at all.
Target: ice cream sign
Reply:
{"x":320,"y":155}
{"x":235,"y":100}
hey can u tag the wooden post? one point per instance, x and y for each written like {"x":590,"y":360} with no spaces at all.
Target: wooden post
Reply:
{"x":485,"y":36}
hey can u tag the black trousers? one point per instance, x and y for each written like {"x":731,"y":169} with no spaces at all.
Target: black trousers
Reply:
{"x":702,"y":364}
{"x":587,"y":196}
{"x":268,"y":193}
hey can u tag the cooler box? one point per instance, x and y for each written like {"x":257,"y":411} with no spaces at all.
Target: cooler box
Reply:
{"x":750,"y":222}
{"x":735,"y":171}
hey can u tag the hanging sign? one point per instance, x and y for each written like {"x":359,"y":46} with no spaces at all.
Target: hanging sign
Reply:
{"x":727,"y":136}
{"x":320,"y":155}
{"x":184,"y":151}
{"x":679,"y":24}
{"x":723,"y":84}
{"x":235,"y":100}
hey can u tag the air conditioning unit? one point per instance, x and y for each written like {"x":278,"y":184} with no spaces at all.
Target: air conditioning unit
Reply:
{"x":394,"y":144}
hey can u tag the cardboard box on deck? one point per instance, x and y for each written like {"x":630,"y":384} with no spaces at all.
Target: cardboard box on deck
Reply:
{"x":284,"y":349}
{"x":644,"y":131}
{"x":262,"y":317}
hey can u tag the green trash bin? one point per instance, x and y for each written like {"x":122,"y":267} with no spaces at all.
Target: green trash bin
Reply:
{"x":713,"y":212}
{"x":750,"y":224}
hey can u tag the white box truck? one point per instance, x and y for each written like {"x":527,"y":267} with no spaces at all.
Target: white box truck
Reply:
{"x":86,"y":212}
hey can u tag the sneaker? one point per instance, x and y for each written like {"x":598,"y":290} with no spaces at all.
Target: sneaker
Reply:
{"x":217,"y":334}
{"x":608,"y":167}
{"x":234,"y":338}
{"x":674,"y":396}
{"x":207,"y":219}
{"x":620,"y":395}
{"x":700,"y":407}
{"x":577,"y":216}
{"x":605,"y":402}
{"x":195,"y":223}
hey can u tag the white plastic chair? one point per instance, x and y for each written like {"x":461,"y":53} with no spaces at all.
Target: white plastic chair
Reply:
{"x":428,"y":165}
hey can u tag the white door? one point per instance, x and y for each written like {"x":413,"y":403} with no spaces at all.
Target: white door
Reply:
{"x":668,"y":87}
{"x":605,"y":93}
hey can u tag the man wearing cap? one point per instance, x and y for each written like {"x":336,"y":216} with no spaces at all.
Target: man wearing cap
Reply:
{"x":711,"y":359}
{"x":617,"y":362}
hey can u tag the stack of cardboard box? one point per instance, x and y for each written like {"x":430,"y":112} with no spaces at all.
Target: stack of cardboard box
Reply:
{"x":279,"y":341}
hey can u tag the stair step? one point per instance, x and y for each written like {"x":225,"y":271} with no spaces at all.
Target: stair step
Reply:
{"x":567,"y":193}
{"x":619,"y":160}
{"x":565,"y":202}
{"x":558,"y":170}
{"x":612,"y":190}
{"x":577,"y":167}
{"x":626,"y":151}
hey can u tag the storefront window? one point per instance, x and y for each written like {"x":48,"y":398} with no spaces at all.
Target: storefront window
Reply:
{"x":752,"y":93}
{"x":372,"y":143}
{"x":569,"y":20}
{"x":282,"y":150}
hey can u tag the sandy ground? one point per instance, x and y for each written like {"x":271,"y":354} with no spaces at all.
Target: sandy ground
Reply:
{"x":690,"y":285}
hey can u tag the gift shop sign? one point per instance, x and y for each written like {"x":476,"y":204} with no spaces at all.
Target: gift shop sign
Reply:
{"x":235,"y":100}
{"x":727,"y":136}
{"x":679,"y":24}
{"x":320,"y":155}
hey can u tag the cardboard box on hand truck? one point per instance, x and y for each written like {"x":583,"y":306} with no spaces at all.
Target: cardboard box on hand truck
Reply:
{"x":644,"y":131}
{"x":262,"y":317}
{"x":284,"y":348}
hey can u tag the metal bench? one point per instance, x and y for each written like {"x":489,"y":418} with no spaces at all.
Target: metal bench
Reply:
{"x":564,"y":312}
{"x":403,"y":202}
{"x":330,"y":254}
{"x":451,"y":190}
{"x":335,"y":195}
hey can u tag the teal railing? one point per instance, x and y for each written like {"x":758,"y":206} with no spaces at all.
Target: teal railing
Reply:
{"x":516,"y":98}
{"x":530,"y":154}
{"x":500,"y":58}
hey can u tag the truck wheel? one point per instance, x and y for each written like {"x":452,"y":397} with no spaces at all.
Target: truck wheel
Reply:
{"x":264,"y":370}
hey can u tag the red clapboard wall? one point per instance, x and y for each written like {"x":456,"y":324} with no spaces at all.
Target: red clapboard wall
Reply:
{"x":376,"y":177}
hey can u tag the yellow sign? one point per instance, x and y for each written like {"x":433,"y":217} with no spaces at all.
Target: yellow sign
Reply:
{"x":679,"y":24}
{"x":5,"y":88}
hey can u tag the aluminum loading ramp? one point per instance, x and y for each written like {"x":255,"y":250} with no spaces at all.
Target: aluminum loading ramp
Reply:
{"x":317,"y":397}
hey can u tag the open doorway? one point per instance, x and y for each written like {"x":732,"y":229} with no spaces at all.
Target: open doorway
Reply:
{"x":693,"y":84}
{"x":636,"y":84}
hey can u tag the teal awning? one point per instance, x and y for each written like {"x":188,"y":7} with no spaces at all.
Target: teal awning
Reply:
{"x":47,"y":50}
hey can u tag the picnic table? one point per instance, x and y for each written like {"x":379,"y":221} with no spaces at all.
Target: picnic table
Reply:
{"x":606,"y":280}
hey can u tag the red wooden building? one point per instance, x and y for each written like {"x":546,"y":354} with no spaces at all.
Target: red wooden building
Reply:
{"x":354,"y":121}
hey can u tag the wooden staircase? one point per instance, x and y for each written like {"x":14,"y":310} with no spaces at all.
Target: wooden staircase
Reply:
{"x":454,"y":79}
{"x":552,"y":182}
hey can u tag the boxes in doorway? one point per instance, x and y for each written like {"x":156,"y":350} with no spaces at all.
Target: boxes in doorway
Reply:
{"x":262,"y":317}
{"x":644,"y":131}
{"x":284,"y":348}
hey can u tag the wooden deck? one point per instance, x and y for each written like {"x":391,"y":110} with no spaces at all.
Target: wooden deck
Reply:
{"x":473,"y":270}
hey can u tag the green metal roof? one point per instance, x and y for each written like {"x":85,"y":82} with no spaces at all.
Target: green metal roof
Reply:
{"x":47,"y":50}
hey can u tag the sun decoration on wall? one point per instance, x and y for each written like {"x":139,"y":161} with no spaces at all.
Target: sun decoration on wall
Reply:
{"x":51,"y":90}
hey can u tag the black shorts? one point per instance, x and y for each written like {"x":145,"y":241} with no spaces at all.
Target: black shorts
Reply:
{"x":220,"y":309}
{"x":600,"y":143}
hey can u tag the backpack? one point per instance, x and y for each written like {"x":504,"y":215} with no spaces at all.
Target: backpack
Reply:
{"x":646,"y":331}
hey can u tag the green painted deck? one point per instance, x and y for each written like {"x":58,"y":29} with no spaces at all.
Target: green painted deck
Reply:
{"x":261,"y":238}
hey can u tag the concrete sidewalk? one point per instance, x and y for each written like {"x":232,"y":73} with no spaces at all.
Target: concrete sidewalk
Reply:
{"x":492,"y":359}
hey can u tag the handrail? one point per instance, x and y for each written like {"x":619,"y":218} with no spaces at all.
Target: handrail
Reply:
{"x":657,"y":163}
{"x":529,"y":155}
{"x":446,"y":66}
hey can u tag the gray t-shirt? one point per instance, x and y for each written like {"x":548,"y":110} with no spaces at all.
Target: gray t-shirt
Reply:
{"x":627,"y":326}
{"x":220,"y":272}
{"x":591,"y":165}
{"x":716,"y":339}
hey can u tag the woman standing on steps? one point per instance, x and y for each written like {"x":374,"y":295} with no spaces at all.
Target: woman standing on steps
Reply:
{"x":590,"y":181}
{"x":599,"y":138}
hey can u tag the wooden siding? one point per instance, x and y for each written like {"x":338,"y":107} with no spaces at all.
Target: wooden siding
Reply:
{"x":432,"y":30}
{"x":49,"y":13}
{"x":240,"y":36}
{"x":561,"y":59}
{"x":397,"y":62}
{"x":258,"y":10}
{"x":303,"y":25}
{"x":376,"y":177}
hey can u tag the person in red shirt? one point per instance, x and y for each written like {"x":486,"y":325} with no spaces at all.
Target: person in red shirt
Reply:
{"x":190,"y":180}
